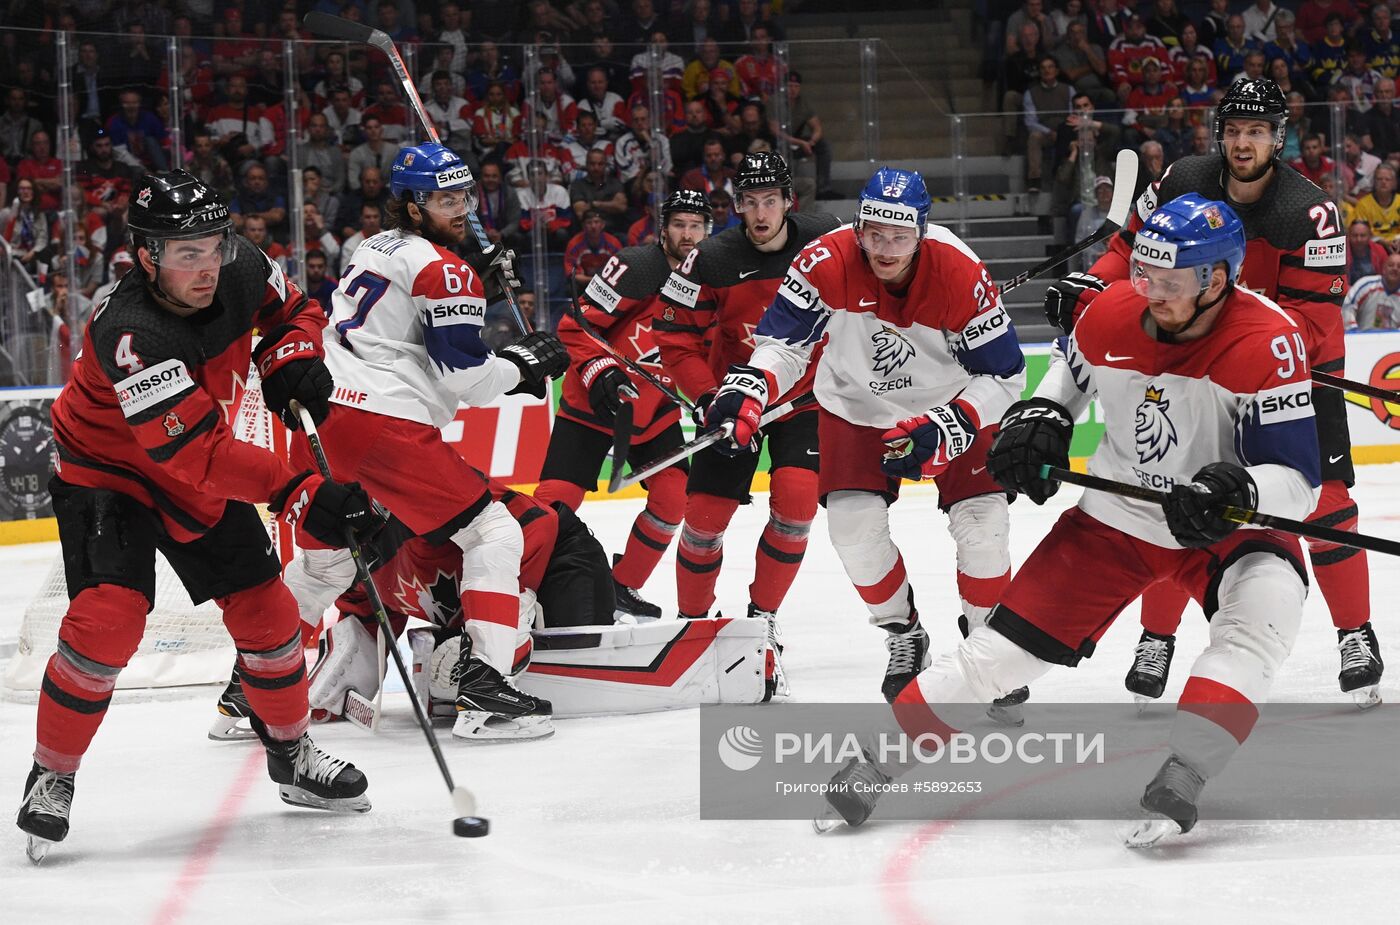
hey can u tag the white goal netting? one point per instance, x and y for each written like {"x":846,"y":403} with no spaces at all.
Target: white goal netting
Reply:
{"x":182,"y":644}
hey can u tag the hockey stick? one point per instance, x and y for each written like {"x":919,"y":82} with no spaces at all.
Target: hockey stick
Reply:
{"x":1238,"y":515}
{"x":467,"y":824}
{"x":593,"y":334}
{"x":1360,"y":388}
{"x":722,"y":433}
{"x":1124,"y":181}
{"x":622,"y":442}
{"x":334,"y":27}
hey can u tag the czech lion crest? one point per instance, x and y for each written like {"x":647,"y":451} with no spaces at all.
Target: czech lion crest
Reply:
{"x":892,"y":350}
{"x":1153,"y":432}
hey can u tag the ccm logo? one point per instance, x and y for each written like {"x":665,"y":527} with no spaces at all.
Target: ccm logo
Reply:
{"x":283,"y":352}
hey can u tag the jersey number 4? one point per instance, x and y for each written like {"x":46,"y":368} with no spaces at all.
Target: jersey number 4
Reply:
{"x":125,"y":357}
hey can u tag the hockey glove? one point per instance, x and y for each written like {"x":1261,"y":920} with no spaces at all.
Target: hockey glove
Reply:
{"x":702,"y":408}
{"x":1064,"y":297}
{"x":495,"y":265}
{"x":318,"y":511}
{"x":922,"y":447}
{"x":1034,"y":433}
{"x":540,"y":356}
{"x":740,"y":401}
{"x":291,"y":366}
{"x":608,"y":387}
{"x":1193,"y":511}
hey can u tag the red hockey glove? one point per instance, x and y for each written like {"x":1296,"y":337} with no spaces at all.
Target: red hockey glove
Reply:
{"x":291,"y":366}
{"x":922,"y":447}
{"x":318,"y":511}
{"x":740,"y":401}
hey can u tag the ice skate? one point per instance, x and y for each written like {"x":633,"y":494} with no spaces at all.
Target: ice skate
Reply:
{"x":43,"y":816}
{"x":309,"y":777}
{"x":1170,"y":798}
{"x":1006,"y":711}
{"x":631,"y":607}
{"x":232,"y":723}
{"x":1361,"y":665}
{"x":851,"y":795}
{"x":775,"y":683}
{"x":491,"y":709}
{"x":1152,"y":661}
{"x":908,"y":656}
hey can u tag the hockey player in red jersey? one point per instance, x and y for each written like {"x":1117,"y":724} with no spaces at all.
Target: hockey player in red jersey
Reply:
{"x":404,"y":344}
{"x":147,"y":461}
{"x":711,"y":305}
{"x":1203,"y":389}
{"x":1296,"y":256}
{"x":620,"y":303}
{"x":919,"y":360}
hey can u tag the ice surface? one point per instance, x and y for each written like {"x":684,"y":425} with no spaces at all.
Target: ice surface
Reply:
{"x":600,"y":823}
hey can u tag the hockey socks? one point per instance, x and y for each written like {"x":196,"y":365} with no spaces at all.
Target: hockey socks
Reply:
{"x":701,"y":551}
{"x":792,"y":504}
{"x":1342,"y":573}
{"x":653,"y":529}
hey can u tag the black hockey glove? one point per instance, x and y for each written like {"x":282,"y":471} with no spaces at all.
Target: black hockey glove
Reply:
{"x":1034,"y":433}
{"x":1062,"y":297}
{"x":495,"y":264}
{"x":1193,"y":511}
{"x":540,"y":356}
{"x":702,"y":408}
{"x":608,"y":387}
{"x":290,"y":364}
{"x":318,"y":511}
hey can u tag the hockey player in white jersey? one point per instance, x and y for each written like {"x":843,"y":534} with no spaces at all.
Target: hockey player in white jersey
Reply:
{"x":405,"y":349}
{"x":1204,"y":390}
{"x":920,"y":360}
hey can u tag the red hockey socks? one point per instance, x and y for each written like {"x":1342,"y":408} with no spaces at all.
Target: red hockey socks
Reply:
{"x":792,"y":503}
{"x":98,"y":636}
{"x":264,"y":624}
{"x":1162,"y":606}
{"x":701,"y":552}
{"x":653,"y":529}
{"x":1342,"y":573}
{"x":551,"y":490}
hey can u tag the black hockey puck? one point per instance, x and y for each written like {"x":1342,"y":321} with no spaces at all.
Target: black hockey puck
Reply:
{"x":471,"y":827}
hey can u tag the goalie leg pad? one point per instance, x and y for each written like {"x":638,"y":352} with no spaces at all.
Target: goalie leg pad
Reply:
{"x":348,"y":662}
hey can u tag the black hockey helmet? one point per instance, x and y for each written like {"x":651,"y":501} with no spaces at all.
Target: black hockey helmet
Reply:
{"x":177,"y":206}
{"x":688,"y":200}
{"x":1260,"y":99}
{"x":762,"y":170}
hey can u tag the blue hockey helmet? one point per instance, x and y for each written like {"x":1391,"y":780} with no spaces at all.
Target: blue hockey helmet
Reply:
{"x":427,"y":168}
{"x":1192,"y":232}
{"x":893,"y":197}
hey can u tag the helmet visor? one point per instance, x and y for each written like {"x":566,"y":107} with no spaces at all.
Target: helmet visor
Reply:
{"x":1164,"y":284}
{"x":452,"y":204}
{"x":194,"y":254}
{"x":750,"y":199}
{"x":884,"y":240}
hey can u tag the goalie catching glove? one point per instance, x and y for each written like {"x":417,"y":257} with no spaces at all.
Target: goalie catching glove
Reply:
{"x":1194,"y":511}
{"x":1064,"y":299}
{"x":922,"y":447}
{"x":608,"y":387}
{"x":740,"y":401}
{"x":319,"y":511}
{"x":540,"y":356}
{"x":291,"y":366}
{"x":1034,"y":433}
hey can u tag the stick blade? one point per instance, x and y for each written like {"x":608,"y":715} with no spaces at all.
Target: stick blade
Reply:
{"x":622,"y":442}
{"x":334,"y":27}
{"x":1125,"y":174}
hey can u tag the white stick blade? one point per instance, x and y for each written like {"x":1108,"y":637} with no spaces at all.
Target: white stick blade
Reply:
{"x":1124,"y":180}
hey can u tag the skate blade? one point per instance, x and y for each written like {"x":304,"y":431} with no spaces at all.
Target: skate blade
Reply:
{"x":37,"y":849}
{"x":1150,"y":831}
{"x":828,"y":821}
{"x":296,"y":796}
{"x":231,"y":729}
{"x":1006,"y":715}
{"x":1143,"y":702}
{"x":477,"y":726}
{"x":1366,"y":697}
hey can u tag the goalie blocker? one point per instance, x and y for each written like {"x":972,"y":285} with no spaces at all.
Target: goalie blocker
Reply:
{"x":576,"y":656}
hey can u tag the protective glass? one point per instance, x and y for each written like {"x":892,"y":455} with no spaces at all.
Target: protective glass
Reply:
{"x":749,"y":200}
{"x":883,"y":240}
{"x":1162,"y":284}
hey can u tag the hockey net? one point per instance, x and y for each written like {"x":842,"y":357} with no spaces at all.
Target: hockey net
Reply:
{"x":183,"y":643}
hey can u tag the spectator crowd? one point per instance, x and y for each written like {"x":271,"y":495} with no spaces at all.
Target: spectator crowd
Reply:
{"x":603,"y":156}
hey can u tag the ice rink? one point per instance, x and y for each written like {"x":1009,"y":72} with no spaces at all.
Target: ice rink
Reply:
{"x":601,"y":824}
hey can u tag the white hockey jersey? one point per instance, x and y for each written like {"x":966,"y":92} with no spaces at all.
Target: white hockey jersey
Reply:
{"x":1241,"y":394}
{"x":891,"y":356}
{"x":404,"y":338}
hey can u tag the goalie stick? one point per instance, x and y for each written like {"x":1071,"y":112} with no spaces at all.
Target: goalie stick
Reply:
{"x":334,"y":27}
{"x":1124,"y":180}
{"x":467,"y":824}
{"x":1237,"y":515}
